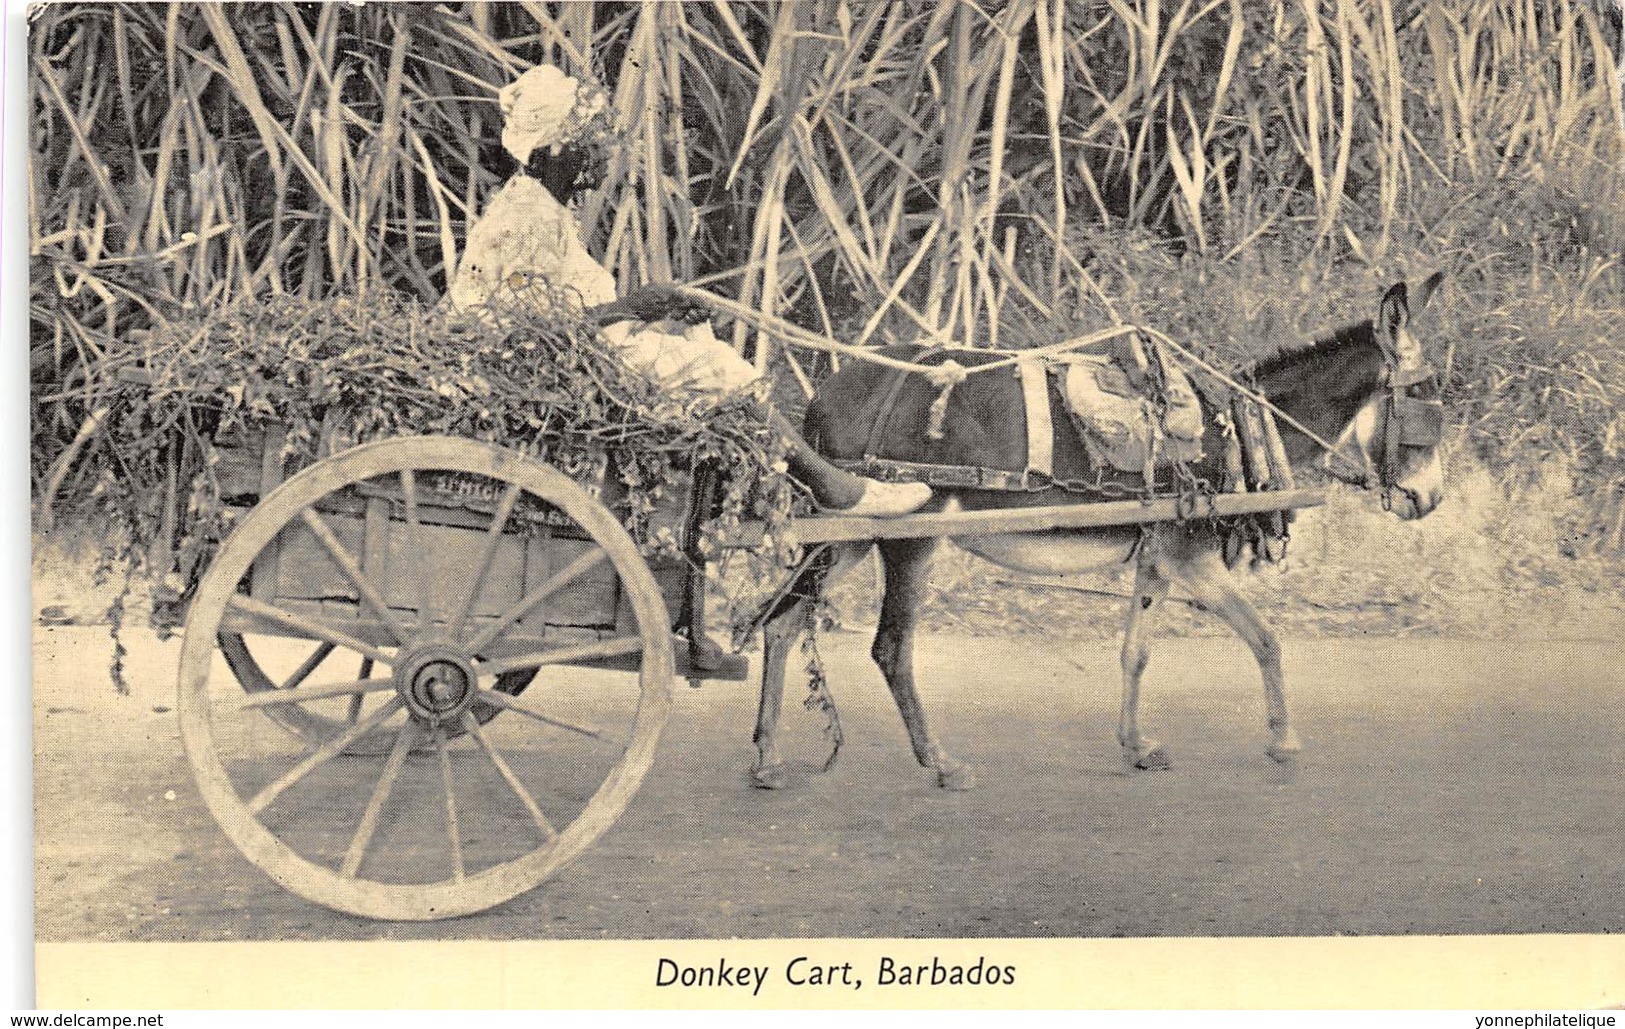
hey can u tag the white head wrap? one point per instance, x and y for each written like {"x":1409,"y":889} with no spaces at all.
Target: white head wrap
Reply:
{"x":546,"y":108}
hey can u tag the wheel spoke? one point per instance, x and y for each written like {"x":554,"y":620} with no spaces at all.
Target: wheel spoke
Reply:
{"x":301,"y":673}
{"x":355,"y":702}
{"x":380,"y":796}
{"x":566,"y":575}
{"x":326,"y":752}
{"x":472,"y":724}
{"x":354,"y":689}
{"x":493,"y":537}
{"x":308,"y":626}
{"x":616,"y":646}
{"x":497,"y":698}
{"x":420,"y":545}
{"x":353,"y":572}
{"x":451,"y":804}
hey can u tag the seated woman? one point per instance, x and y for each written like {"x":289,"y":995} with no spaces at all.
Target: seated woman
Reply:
{"x":557,"y":128}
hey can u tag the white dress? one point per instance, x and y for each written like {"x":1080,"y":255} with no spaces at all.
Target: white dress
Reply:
{"x":526,"y":235}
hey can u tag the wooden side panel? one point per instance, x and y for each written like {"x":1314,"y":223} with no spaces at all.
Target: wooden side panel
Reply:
{"x":306,"y":571}
{"x":450,"y":556}
{"x":589,"y":600}
{"x":397,"y":561}
{"x":298,"y":573}
{"x":672,"y":578}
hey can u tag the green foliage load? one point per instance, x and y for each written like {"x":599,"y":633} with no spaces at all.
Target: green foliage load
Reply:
{"x":537,"y":378}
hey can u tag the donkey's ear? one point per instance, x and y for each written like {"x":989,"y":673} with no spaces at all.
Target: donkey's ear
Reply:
{"x":1393,"y":313}
{"x":1399,"y":347}
{"x":1429,"y":286}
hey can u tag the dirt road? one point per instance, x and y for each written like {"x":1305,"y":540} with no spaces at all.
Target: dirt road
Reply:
{"x":1446,"y":787}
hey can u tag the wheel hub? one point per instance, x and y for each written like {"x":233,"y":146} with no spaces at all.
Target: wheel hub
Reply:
{"x":438,"y":684}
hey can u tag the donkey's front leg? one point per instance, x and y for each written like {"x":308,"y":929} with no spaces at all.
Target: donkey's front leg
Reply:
{"x":908,"y":563}
{"x":1212,"y":586}
{"x":1150,"y":590}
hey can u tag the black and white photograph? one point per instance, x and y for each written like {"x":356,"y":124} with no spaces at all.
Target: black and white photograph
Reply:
{"x":995,"y":475}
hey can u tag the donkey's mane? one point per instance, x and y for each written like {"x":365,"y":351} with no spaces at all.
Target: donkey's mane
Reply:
{"x":1336,"y":344}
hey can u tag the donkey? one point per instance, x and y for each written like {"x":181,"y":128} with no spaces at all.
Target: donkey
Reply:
{"x":1366,"y":387}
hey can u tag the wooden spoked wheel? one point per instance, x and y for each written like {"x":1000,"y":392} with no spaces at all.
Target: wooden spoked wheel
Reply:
{"x":457,"y":813}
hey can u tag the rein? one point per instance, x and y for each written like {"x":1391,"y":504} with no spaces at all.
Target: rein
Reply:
{"x":947,"y":374}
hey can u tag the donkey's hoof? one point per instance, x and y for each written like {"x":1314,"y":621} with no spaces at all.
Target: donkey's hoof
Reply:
{"x":1286,"y":747}
{"x":770,"y":777}
{"x":1152,"y":757}
{"x":956,"y":777}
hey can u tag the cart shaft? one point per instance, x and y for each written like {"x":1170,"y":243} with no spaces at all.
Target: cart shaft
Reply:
{"x":1091,"y":515}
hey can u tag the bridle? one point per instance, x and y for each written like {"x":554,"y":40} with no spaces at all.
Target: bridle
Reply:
{"x":1411,"y":417}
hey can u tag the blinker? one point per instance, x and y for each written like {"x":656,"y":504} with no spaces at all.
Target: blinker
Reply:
{"x":1420,"y":422}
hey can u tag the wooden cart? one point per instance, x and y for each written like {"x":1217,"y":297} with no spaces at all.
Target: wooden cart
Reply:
{"x":473,"y":657}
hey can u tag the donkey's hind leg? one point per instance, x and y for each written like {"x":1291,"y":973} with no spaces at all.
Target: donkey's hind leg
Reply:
{"x":1150,"y":590}
{"x":908,"y":564}
{"x":1213,"y":588}
{"x":779,"y":635}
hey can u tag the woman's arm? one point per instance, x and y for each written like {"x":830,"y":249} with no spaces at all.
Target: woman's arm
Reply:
{"x":610,"y":313}
{"x":652,"y":302}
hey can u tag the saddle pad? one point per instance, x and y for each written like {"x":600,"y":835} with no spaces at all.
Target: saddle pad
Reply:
{"x":1119,"y":421}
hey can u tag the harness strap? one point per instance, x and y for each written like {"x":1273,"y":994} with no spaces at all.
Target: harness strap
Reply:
{"x":877,"y":431}
{"x":894,"y":389}
{"x":886,"y":469}
{"x":1330,"y":449}
{"x":1390,"y":439}
{"x":1255,"y":456}
{"x":1034,"y":376}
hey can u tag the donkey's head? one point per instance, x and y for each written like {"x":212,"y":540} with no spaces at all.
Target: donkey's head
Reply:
{"x":1393,"y":440}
